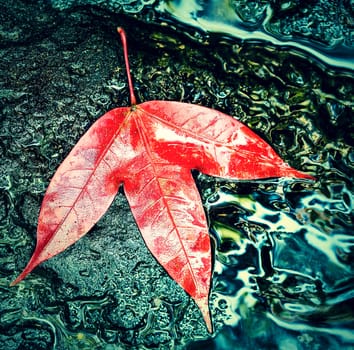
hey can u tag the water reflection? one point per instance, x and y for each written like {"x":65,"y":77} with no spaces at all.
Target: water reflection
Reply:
{"x":257,"y":21}
{"x":284,"y":255}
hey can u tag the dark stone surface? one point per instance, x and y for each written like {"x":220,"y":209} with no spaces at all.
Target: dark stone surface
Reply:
{"x":59,"y":72}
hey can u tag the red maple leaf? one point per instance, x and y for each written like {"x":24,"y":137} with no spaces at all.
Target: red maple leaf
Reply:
{"x":151,"y":148}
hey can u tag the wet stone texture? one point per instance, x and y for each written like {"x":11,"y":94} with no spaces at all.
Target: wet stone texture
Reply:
{"x":284,"y":249}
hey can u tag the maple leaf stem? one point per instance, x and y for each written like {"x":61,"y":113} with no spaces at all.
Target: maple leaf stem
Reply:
{"x":123,"y":37}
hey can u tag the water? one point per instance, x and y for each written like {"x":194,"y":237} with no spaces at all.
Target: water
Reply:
{"x":269,"y":23}
{"x":283,"y":263}
{"x":283,"y":270}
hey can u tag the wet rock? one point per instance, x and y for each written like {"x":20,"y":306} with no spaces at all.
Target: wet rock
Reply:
{"x":25,"y":20}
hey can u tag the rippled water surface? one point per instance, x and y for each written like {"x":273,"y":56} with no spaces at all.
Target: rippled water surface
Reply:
{"x":284,"y":249}
{"x":319,"y":29}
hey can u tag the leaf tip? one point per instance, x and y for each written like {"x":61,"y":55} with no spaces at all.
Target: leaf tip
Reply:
{"x":300,"y":175}
{"x":287,"y":171}
{"x":17,"y":280}
{"x":203,"y":304}
{"x":20,"y":277}
{"x":34,"y":261}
